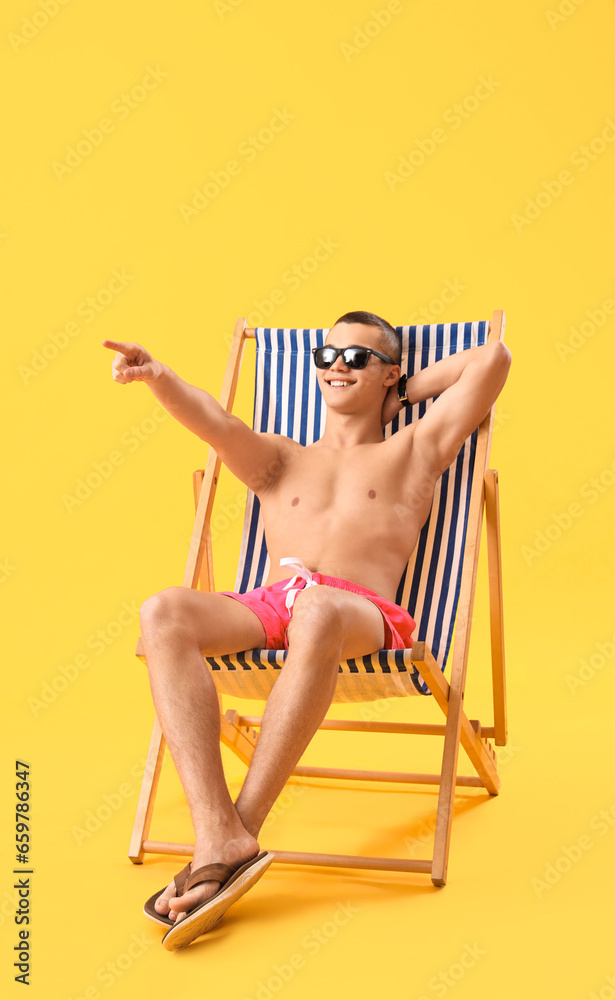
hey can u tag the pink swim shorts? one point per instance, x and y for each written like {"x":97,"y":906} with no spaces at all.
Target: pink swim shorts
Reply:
{"x":270,"y":604}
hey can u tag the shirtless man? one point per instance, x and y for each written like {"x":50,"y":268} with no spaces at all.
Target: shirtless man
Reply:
{"x":335,"y":505}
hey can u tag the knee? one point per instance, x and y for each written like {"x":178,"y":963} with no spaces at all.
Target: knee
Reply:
{"x":317,"y":615}
{"x":163,"y":609}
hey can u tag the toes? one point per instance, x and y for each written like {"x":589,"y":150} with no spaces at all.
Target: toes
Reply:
{"x":162,"y":903}
{"x":200,"y":894}
{"x":176,"y":907}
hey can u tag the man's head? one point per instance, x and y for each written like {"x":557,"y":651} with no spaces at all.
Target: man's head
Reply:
{"x":389,"y":337}
{"x":361,"y":389}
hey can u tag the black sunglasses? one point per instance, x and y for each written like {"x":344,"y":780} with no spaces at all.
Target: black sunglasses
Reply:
{"x":353,"y":357}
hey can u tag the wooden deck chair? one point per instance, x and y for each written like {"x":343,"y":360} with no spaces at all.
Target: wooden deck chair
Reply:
{"x":437,"y":588}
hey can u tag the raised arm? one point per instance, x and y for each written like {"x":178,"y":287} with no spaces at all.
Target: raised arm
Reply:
{"x":256,"y":459}
{"x":467,"y":384}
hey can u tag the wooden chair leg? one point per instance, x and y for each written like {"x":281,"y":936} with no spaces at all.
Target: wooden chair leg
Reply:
{"x":147,"y":795}
{"x":496,"y":605}
{"x":446,"y":795}
{"x":455,"y":714}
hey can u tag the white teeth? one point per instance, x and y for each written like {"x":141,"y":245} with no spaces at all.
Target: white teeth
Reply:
{"x":339,"y":383}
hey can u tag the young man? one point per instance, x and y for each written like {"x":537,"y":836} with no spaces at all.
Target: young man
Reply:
{"x":345,"y":514}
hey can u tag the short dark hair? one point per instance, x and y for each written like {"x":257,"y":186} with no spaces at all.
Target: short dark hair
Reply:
{"x":389,"y":335}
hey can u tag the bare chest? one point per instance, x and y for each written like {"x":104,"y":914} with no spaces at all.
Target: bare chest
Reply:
{"x":359,"y":484}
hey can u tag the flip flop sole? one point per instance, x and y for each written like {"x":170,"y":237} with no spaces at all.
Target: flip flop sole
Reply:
{"x":204,"y":917}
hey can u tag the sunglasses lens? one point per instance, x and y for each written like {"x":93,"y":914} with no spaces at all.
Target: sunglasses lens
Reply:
{"x":324,"y":357}
{"x":356,"y":357}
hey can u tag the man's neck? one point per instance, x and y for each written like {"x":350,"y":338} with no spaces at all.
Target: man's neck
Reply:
{"x":346,"y":430}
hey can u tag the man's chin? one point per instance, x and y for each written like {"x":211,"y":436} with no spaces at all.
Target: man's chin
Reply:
{"x":342,"y":404}
{"x":332,"y":393}
{"x":335,"y":396}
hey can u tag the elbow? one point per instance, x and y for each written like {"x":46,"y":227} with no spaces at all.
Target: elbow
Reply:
{"x":501,"y":354}
{"x":499,"y":363}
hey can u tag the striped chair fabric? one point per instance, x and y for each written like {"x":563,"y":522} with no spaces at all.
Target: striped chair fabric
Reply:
{"x":288,"y":401}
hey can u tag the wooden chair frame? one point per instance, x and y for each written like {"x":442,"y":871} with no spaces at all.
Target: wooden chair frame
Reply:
{"x":238,"y":732}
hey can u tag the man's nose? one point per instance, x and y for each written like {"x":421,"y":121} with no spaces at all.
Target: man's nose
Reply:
{"x":339,"y":365}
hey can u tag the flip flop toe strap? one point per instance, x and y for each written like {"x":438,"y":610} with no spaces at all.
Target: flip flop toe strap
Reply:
{"x":219,"y":872}
{"x":181,"y":878}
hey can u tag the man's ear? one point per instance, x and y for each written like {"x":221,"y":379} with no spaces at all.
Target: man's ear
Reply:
{"x":393,"y":375}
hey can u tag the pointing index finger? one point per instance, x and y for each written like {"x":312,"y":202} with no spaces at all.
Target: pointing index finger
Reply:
{"x":117,"y":345}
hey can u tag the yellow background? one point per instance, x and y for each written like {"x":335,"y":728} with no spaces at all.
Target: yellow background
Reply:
{"x":359,"y":103}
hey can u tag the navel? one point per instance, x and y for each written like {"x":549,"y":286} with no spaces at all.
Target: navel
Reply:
{"x":372,"y":494}
{"x":295,"y":501}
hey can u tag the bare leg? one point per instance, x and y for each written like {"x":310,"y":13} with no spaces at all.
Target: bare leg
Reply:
{"x":327,"y":625}
{"x":175,"y":625}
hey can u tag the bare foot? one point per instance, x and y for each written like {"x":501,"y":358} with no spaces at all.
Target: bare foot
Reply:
{"x":233,"y":852}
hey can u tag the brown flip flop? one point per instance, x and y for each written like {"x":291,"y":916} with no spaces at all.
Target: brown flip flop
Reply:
{"x":234,"y":883}
{"x":180,"y":888}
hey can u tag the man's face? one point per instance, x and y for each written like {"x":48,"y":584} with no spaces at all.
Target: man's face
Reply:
{"x":346,"y":388}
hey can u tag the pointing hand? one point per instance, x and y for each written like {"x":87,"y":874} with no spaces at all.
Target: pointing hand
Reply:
{"x":132,"y":363}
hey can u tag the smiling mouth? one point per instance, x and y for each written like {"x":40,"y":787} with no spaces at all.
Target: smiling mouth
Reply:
{"x":338,"y":383}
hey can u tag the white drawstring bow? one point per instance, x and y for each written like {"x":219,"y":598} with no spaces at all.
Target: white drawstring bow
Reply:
{"x":303,"y":573}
